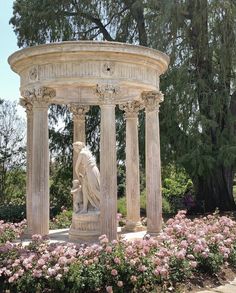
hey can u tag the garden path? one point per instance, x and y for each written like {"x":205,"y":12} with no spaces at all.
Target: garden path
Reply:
{"x":227,"y":288}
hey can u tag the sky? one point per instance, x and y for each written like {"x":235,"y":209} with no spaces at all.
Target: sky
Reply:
{"x":9,"y":80}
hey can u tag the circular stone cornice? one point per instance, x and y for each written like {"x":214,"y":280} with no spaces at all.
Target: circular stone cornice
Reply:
{"x":64,"y":50}
{"x":75,"y":69}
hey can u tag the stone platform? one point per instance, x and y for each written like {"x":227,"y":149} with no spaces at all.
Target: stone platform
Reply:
{"x":62,"y":235}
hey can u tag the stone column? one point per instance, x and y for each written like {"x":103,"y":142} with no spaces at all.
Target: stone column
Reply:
{"x":132,"y":166}
{"x":78,"y":112}
{"x":108,"y":167}
{"x":153,"y":161}
{"x":40,"y":159}
{"x":26,"y":103}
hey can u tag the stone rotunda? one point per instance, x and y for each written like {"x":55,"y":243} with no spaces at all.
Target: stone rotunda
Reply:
{"x":82,"y":74}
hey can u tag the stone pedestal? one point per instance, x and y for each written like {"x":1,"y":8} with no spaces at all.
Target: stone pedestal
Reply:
{"x":85,"y":227}
{"x":153,"y":161}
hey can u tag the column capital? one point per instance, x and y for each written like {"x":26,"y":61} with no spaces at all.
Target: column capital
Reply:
{"x":107,"y":93}
{"x":27,"y":104}
{"x":78,"y":110}
{"x":39,"y":97}
{"x":152,"y":99}
{"x":131,"y":109}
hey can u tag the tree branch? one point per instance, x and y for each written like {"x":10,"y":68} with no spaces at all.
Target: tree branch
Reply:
{"x":93,"y":19}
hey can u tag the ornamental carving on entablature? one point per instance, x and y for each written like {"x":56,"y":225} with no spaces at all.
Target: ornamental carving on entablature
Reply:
{"x":107,"y":93}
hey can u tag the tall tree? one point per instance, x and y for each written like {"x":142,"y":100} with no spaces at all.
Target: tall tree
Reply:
{"x":198,"y":114}
{"x":201,"y":39}
{"x":12,"y":133}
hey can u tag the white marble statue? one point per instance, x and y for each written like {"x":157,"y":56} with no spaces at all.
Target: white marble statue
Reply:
{"x":89,"y":178}
{"x":77,"y":194}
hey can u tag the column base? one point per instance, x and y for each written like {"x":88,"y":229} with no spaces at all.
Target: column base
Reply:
{"x":133,"y":227}
{"x":27,"y":233}
{"x":85,"y":227}
{"x":153,"y":234}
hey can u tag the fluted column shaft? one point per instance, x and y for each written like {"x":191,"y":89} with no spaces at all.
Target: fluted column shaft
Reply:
{"x":108,"y":167}
{"x":40,"y":176}
{"x":40,"y":98}
{"x":79,"y":113}
{"x":153,"y":161}
{"x":29,"y":112}
{"x":132,"y":166}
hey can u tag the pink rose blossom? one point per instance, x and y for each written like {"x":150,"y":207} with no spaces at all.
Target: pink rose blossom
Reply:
{"x":114,"y":272}
{"x":109,"y":289}
{"x":120,"y":284}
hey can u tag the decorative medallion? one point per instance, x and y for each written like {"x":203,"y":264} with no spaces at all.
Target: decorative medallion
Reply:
{"x":108,"y":68}
{"x":33,"y":74}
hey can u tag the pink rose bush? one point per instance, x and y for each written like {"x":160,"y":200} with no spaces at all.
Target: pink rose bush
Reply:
{"x":10,"y":231}
{"x":183,"y":248}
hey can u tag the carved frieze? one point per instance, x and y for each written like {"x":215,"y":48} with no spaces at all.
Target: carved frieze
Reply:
{"x":131,"y":108}
{"x":90,"y":69}
{"x":107,"y":93}
{"x":152,"y":99}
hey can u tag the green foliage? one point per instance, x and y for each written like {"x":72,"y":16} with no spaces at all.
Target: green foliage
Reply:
{"x":176,"y":185}
{"x":212,"y":264}
{"x":10,"y":212}
{"x":62,"y":220}
{"x":16,"y":186}
{"x":12,"y":152}
{"x":89,"y":277}
{"x":183,"y":271}
{"x":121,"y":205}
{"x":166,"y":206}
{"x":198,"y":117}
{"x":232,"y":257}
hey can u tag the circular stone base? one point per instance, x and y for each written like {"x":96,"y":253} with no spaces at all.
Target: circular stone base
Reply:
{"x":133,"y":227}
{"x":85,"y":227}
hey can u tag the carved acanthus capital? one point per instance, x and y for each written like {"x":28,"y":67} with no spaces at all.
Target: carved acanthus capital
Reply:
{"x":107,"y":93}
{"x":131,"y":108}
{"x":152,"y":99}
{"x":27,"y":104}
{"x":39,"y":97}
{"x":78,"y":111}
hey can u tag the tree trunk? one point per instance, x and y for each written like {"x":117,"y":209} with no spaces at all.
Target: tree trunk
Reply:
{"x":216,"y":190}
{"x":137,"y":11}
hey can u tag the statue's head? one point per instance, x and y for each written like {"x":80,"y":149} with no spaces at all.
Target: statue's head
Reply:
{"x":78,"y":145}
